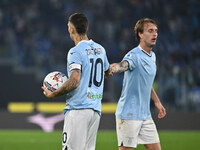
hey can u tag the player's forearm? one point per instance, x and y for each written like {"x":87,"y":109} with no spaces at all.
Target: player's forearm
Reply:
{"x":154,"y":96}
{"x":119,"y":67}
{"x":67,"y":87}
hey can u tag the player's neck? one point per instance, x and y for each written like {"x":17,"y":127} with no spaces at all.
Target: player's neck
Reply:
{"x":146,"y":48}
{"x":79,"y":38}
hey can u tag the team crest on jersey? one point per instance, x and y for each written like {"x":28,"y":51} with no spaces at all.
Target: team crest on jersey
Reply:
{"x":129,"y":55}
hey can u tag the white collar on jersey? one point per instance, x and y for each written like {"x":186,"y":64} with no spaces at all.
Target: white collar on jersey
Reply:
{"x":144,"y":51}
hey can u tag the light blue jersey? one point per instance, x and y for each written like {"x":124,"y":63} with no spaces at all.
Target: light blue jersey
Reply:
{"x":134,"y":103}
{"x":91,"y":59}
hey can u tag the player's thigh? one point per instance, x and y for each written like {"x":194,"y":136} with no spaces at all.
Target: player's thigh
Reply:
{"x":92,"y":131}
{"x":127,"y":132}
{"x":75,"y":129}
{"x":93,"y":125}
{"x":148,"y":133}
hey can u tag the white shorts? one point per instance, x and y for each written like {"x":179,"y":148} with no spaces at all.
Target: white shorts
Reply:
{"x":80,"y":130}
{"x":130,"y":133}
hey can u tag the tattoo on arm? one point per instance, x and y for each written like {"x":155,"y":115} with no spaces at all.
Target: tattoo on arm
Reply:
{"x":70,"y":84}
{"x":120,"y":67}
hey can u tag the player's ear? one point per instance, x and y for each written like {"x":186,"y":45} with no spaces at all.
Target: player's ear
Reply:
{"x":140,"y":35}
{"x":73,"y":30}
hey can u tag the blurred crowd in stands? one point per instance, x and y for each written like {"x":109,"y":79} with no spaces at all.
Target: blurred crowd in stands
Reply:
{"x":33,"y":34}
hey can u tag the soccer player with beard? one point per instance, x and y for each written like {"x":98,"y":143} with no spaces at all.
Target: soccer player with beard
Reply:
{"x":86,"y":63}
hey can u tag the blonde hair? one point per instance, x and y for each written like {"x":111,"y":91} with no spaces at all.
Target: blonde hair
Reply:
{"x":139,"y":26}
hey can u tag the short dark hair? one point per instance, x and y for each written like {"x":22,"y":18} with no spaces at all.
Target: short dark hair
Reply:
{"x":80,"y":22}
{"x":139,"y":27}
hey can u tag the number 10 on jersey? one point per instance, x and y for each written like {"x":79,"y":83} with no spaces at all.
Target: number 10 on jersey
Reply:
{"x":96,"y":67}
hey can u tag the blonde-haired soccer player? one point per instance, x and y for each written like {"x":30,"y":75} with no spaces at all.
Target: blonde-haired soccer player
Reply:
{"x":134,"y":123}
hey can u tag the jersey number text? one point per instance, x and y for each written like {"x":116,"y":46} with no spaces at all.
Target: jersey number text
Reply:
{"x":94,"y":65}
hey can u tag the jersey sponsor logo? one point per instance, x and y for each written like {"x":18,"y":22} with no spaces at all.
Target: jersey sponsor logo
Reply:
{"x":94,"y":96}
{"x":95,"y":51}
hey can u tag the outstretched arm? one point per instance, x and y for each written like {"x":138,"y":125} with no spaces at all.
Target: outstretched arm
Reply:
{"x":71,"y":84}
{"x":119,"y":67}
{"x":159,"y":106}
{"x":108,"y":73}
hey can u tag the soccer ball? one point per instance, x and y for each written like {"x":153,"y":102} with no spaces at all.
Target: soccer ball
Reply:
{"x":54,"y":80}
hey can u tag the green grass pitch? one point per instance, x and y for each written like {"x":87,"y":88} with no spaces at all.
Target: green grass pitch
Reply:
{"x":106,"y":140}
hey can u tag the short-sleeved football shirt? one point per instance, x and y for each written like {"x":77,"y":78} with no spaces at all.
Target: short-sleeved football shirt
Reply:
{"x":91,"y":59}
